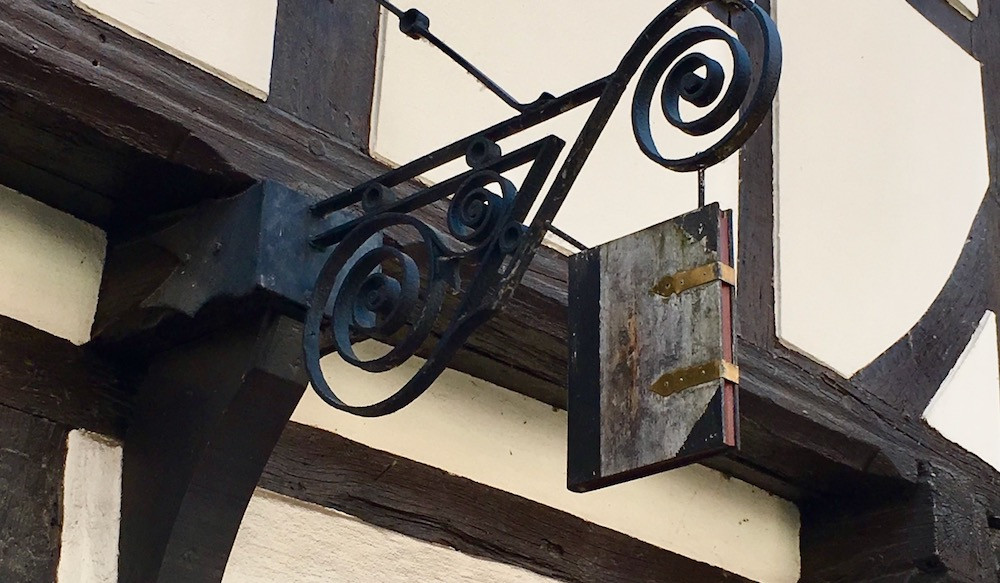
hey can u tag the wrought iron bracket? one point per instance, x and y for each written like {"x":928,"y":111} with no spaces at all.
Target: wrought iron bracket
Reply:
{"x":489,"y":223}
{"x":332,"y":262}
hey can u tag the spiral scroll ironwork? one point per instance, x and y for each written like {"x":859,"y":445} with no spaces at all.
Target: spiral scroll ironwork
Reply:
{"x":383,"y":293}
{"x":371,"y":303}
{"x":679,"y":70}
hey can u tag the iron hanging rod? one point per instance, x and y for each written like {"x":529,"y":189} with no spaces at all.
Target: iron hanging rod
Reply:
{"x":417,"y":25}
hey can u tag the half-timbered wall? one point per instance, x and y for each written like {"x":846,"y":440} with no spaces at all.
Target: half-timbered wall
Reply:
{"x":879,"y":169}
{"x":879,"y":178}
{"x":52,"y":270}
{"x":464,"y":426}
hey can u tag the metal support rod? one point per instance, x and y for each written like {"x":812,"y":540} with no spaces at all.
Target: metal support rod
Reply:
{"x":534,"y":116}
{"x":391,"y":8}
{"x":417,"y":25}
{"x":562,"y":235}
{"x":701,"y":187}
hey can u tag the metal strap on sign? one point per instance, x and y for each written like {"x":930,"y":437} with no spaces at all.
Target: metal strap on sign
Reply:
{"x":692,"y":278}
{"x":674,"y":382}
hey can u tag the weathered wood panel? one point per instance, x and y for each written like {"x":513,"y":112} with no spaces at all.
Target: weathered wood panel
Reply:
{"x":651,"y":332}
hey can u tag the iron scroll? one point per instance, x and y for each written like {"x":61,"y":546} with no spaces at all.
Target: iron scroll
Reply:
{"x":396,"y":294}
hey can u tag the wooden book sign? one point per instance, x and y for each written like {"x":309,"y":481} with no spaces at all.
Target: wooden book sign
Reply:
{"x":652,"y":378}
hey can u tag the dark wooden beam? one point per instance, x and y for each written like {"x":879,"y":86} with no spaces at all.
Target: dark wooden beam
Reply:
{"x":986,"y":39}
{"x":524,"y":348}
{"x":756,"y":295}
{"x":72,"y":386}
{"x":71,"y":66}
{"x":64,"y":386}
{"x":206,"y":419}
{"x":159,"y":106}
{"x":32,"y":460}
{"x":438,"y":507}
{"x":948,"y":20}
{"x":910,"y":372}
{"x":74,"y":167}
{"x":323,"y":70}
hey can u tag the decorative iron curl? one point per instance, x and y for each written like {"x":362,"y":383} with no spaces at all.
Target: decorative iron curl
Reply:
{"x":371,"y":303}
{"x":678,"y":69}
{"x":476,"y":212}
{"x":486,"y":215}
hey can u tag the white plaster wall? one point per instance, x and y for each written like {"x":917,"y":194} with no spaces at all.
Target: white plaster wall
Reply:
{"x":424,"y":101}
{"x":51,"y":265}
{"x":280,"y":539}
{"x":881,"y":168}
{"x":507,"y":441}
{"x":283,"y":539}
{"x":91,"y":510}
{"x":966,"y":409}
{"x":233,"y":39}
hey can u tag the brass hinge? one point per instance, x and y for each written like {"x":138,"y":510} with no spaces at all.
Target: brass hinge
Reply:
{"x":674,"y":382}
{"x":685,"y":280}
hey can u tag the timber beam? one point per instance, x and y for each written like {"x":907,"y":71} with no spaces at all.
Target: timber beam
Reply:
{"x":206,"y":418}
{"x":433,"y":505}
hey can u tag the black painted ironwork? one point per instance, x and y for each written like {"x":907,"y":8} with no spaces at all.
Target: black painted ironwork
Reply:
{"x":369,"y":288}
{"x":417,"y":25}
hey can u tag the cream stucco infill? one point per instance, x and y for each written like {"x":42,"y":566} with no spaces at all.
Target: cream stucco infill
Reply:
{"x":51,"y":264}
{"x":286,"y":540}
{"x":91,"y":510}
{"x":966,"y":408}
{"x":878,"y":179}
{"x":507,"y":441}
{"x":232,"y":39}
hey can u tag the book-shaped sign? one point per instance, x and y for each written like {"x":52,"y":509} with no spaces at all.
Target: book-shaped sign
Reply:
{"x":652,"y":377}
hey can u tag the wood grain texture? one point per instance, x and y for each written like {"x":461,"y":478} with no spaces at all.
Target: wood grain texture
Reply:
{"x":756,"y":229}
{"x":69,"y":385}
{"x":160,"y":106}
{"x":639,"y":337}
{"x":435,"y":506}
{"x":323,"y":70}
{"x":32,"y":459}
{"x":910,"y":372}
